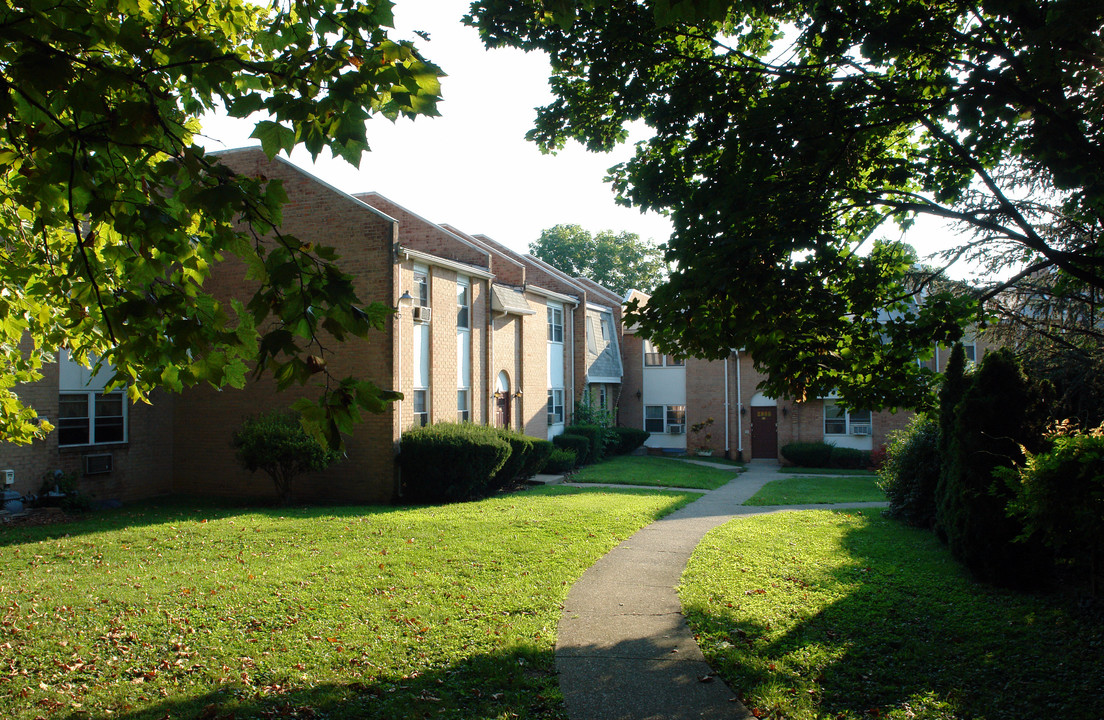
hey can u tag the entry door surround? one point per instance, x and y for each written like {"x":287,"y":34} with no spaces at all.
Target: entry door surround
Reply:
{"x":764,"y":432}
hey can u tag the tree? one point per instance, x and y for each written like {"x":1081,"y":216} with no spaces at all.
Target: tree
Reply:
{"x":620,"y":262}
{"x":787,"y":135}
{"x":112,"y":218}
{"x":278,"y":444}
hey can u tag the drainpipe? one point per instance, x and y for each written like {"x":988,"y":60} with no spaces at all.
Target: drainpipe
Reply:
{"x":727,"y":448}
{"x":739,"y":411}
{"x":572,"y":366}
{"x":488,"y":418}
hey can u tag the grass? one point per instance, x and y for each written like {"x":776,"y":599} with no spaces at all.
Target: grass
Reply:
{"x":719,"y":460}
{"x":819,"y":614}
{"x":653,"y":472}
{"x":809,"y":490}
{"x":348,"y":612}
{"x":827,"y":471}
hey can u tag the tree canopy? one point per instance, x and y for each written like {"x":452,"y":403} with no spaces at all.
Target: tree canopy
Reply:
{"x":112,"y":217}
{"x":787,"y":139}
{"x":618,"y":261}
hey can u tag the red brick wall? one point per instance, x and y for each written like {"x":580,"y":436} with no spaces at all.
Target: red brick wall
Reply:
{"x":205,"y":419}
{"x":420,"y":234}
{"x":533,"y":355}
{"x":630,"y":407}
{"x":505,"y":264}
{"x":705,"y":399}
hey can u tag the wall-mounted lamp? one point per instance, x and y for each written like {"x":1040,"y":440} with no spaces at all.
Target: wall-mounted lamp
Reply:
{"x":638,"y":395}
{"x":405,"y":299}
{"x":517,"y":394}
{"x":743,"y":410}
{"x":785,"y":412}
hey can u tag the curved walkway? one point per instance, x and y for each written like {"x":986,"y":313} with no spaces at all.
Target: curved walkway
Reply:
{"x":623,"y":649}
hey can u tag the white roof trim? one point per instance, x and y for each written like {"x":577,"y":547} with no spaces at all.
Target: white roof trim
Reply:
{"x":599,"y":308}
{"x":463,"y":268}
{"x":603,"y":379}
{"x":551,"y":295}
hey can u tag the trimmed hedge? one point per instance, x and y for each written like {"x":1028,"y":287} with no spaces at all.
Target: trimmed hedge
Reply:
{"x":850,"y":458}
{"x":809,"y":454}
{"x":450,"y":461}
{"x":577,"y":444}
{"x":560,"y":461}
{"x":629,"y":439}
{"x":538,"y":457}
{"x":597,"y":436}
{"x":521,"y":447}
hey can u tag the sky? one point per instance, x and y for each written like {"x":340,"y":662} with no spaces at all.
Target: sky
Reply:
{"x":472,"y":167}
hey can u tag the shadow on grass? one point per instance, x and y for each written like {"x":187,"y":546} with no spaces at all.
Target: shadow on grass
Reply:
{"x":913,"y":636}
{"x":518,"y":683}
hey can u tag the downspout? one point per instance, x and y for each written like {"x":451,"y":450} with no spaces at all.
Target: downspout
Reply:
{"x":739,"y":412}
{"x":488,"y":418}
{"x":937,"y":357}
{"x":572,"y":365}
{"x":727,"y":447}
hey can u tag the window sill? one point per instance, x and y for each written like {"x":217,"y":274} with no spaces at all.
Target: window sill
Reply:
{"x":98,"y":446}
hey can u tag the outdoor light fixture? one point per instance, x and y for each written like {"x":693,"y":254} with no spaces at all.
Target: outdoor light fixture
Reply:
{"x":405,"y":299}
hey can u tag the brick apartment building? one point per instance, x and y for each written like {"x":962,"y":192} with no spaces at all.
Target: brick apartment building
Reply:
{"x":482,"y":334}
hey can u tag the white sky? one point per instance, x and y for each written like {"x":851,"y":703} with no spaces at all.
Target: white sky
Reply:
{"x":472,"y":167}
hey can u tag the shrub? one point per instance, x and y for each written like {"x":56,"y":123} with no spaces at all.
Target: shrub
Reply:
{"x":277,"y":444}
{"x":994,"y":423}
{"x":597,"y":436}
{"x":808,"y":454}
{"x":577,"y":444}
{"x":560,"y":461}
{"x":911,"y":471}
{"x":538,"y":458}
{"x":1059,"y":497}
{"x":850,"y":458}
{"x":521,"y":447}
{"x":450,"y":461}
{"x":629,"y":439}
{"x":878,"y":457}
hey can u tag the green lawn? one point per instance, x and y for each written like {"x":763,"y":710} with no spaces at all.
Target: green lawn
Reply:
{"x":347,"y":612}
{"x":827,"y":471}
{"x":821,"y":614}
{"x":653,"y":471}
{"x":808,"y":490}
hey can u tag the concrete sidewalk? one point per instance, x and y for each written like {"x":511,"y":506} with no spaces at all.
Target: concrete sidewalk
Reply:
{"x":623,"y":649}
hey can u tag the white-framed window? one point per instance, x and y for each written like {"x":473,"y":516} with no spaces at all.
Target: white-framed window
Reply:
{"x":421,"y":286}
{"x":463,"y":303}
{"x":592,"y":344}
{"x":86,"y":414}
{"x":971,"y":351}
{"x":421,"y":408}
{"x":555,"y":406}
{"x":555,"y":324}
{"x":661,"y":418}
{"x":838,"y":421}
{"x":603,"y":398}
{"x":606,"y":333}
{"x":463,"y":405}
{"x":654,"y":358}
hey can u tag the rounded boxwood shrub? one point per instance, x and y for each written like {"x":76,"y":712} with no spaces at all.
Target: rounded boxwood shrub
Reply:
{"x":521,"y":446}
{"x":809,"y":454}
{"x":850,"y":458}
{"x":538,"y":457}
{"x":577,"y":444}
{"x":597,"y":436}
{"x":450,"y":461}
{"x":629,"y":439}
{"x":560,"y":461}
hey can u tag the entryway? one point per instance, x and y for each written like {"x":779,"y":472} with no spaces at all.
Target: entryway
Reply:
{"x":764,"y":432}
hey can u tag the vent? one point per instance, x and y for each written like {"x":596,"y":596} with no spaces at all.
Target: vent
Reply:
{"x":98,"y":464}
{"x":860,"y":429}
{"x":422,"y":314}
{"x":676,"y":429}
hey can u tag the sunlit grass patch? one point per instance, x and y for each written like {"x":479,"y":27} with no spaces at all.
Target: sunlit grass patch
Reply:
{"x":653,"y":471}
{"x":812,"y":490}
{"x":818,"y":614}
{"x":347,"y":612}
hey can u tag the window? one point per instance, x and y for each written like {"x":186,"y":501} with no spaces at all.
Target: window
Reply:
{"x":86,"y":414}
{"x":660,"y":418}
{"x":555,"y":324}
{"x":603,"y":400}
{"x":971,"y":351}
{"x":421,"y":287}
{"x":838,"y":421}
{"x":555,"y":406}
{"x":605,"y":329}
{"x":463,"y":407}
{"x":463,"y":304}
{"x":673,"y":361}
{"x":592,"y":344}
{"x":421,"y":407}
{"x":654,"y":358}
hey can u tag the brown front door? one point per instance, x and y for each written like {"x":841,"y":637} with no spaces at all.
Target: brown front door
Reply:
{"x":502,"y":410}
{"x":764,"y":432}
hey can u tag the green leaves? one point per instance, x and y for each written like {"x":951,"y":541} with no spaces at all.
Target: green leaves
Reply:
{"x":113,"y":220}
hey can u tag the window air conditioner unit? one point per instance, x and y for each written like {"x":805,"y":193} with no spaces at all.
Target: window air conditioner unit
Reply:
{"x":422,"y":314}
{"x":860,"y":429}
{"x":98,"y":464}
{"x":676,"y":429}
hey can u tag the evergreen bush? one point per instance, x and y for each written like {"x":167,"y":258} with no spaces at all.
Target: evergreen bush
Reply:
{"x":850,"y":458}
{"x":578,"y":444}
{"x":537,"y":458}
{"x":521,"y":447}
{"x":809,"y":454}
{"x":562,"y":460}
{"x":629,"y":439}
{"x":911,"y":470}
{"x":449,"y":462}
{"x":597,"y":436}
